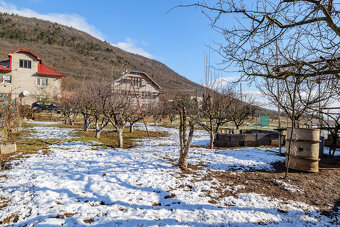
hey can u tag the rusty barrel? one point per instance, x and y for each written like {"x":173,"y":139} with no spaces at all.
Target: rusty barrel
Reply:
{"x":304,"y":154}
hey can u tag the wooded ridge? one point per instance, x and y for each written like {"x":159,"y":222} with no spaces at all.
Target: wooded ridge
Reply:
{"x":79,"y":55}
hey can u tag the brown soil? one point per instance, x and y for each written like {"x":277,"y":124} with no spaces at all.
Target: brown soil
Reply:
{"x":316,"y":189}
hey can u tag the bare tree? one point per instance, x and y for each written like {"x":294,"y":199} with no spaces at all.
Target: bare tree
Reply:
{"x":296,"y":96}
{"x":330,"y":121}
{"x":264,"y":30}
{"x":135,"y":116}
{"x":120,"y":111}
{"x":215,"y":104}
{"x":240,"y":111}
{"x":333,"y":127}
{"x":249,"y":42}
{"x":187,"y":110}
{"x":168,"y":110}
{"x":157,"y":110}
{"x":69,"y":108}
{"x":101,"y":97}
{"x":84,"y":102}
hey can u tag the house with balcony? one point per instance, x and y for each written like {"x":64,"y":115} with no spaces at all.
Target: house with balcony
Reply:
{"x":138,"y":83}
{"x":27,"y":78}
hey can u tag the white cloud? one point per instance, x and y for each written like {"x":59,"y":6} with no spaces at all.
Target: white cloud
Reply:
{"x":224,"y":81}
{"x":71,"y":20}
{"x":253,"y":93}
{"x":129,"y":45}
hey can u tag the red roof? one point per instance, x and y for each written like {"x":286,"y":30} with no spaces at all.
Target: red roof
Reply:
{"x":25,"y":50}
{"x":3,"y":68}
{"x":44,"y":70}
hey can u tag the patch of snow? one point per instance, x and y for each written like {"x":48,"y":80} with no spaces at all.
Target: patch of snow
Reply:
{"x":138,"y":186}
{"x":51,"y":132}
{"x":43,"y":122}
{"x":287,"y":187}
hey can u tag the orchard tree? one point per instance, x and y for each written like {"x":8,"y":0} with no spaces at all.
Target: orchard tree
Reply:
{"x":84,"y":102}
{"x":168,"y":110}
{"x":249,"y":42}
{"x":157,"y":111}
{"x":68,"y":107}
{"x":101,"y":97}
{"x":297,"y":96}
{"x":187,"y":111}
{"x":135,"y":115}
{"x":240,"y":111}
{"x":121,"y":109}
{"x":263,"y":28}
{"x":215,"y":104}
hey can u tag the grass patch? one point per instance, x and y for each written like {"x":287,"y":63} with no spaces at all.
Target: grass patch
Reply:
{"x":109,"y":139}
{"x":12,"y":218}
{"x":65,"y":215}
{"x":88,"y":221}
{"x":26,"y":147}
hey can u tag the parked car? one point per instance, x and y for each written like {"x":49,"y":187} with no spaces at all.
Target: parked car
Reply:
{"x":39,"y":106}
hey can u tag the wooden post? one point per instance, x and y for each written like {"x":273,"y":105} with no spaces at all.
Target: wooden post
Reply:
{"x":9,"y":111}
{"x":140,"y":109}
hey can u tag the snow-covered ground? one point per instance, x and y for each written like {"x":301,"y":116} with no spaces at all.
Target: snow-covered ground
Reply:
{"x":78,"y":184}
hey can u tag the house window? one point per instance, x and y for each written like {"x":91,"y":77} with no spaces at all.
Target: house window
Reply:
{"x":42,"y":81}
{"x":7,"y":79}
{"x":25,"y":64}
{"x":137,"y":82}
{"x":145,"y":95}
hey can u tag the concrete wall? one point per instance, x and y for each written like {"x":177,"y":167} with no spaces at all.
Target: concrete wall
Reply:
{"x":147,"y":86}
{"x":25,"y":79}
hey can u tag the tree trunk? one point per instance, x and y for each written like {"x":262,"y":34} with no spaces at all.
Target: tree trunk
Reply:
{"x":120,"y":137}
{"x":332,"y":148}
{"x":98,"y":133}
{"x":185,"y":144}
{"x":97,"y":129}
{"x":183,"y":160}
{"x":291,"y":133}
{"x":211,"y":146}
{"x":131,"y":127}
{"x":86,"y":123}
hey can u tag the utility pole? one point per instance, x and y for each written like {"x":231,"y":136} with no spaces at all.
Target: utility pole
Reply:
{"x":241,"y":91}
{"x":278,"y":95}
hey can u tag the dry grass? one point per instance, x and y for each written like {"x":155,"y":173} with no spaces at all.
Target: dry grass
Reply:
{"x":109,"y":139}
{"x":88,"y":221}
{"x":11,"y":218}
{"x":65,"y":215}
{"x":26,"y":147}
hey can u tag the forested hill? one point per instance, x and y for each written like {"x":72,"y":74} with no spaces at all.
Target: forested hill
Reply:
{"x":78,"y":54}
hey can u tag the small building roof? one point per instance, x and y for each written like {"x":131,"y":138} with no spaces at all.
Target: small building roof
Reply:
{"x":4,"y":66}
{"x":25,"y":50}
{"x":42,"y":69}
{"x":136,"y":71}
{"x":47,"y":71}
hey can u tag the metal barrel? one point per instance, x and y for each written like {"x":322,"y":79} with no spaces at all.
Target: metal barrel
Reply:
{"x":304,"y":154}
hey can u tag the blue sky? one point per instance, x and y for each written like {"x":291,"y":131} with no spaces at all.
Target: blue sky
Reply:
{"x":178,"y":38}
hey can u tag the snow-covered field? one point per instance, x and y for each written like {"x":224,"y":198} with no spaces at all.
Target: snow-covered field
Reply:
{"x":80,"y":185}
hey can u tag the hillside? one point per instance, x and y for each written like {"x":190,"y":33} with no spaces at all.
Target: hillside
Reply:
{"x":78,"y":54}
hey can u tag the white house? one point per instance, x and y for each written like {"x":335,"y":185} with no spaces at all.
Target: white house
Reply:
{"x":25,"y":76}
